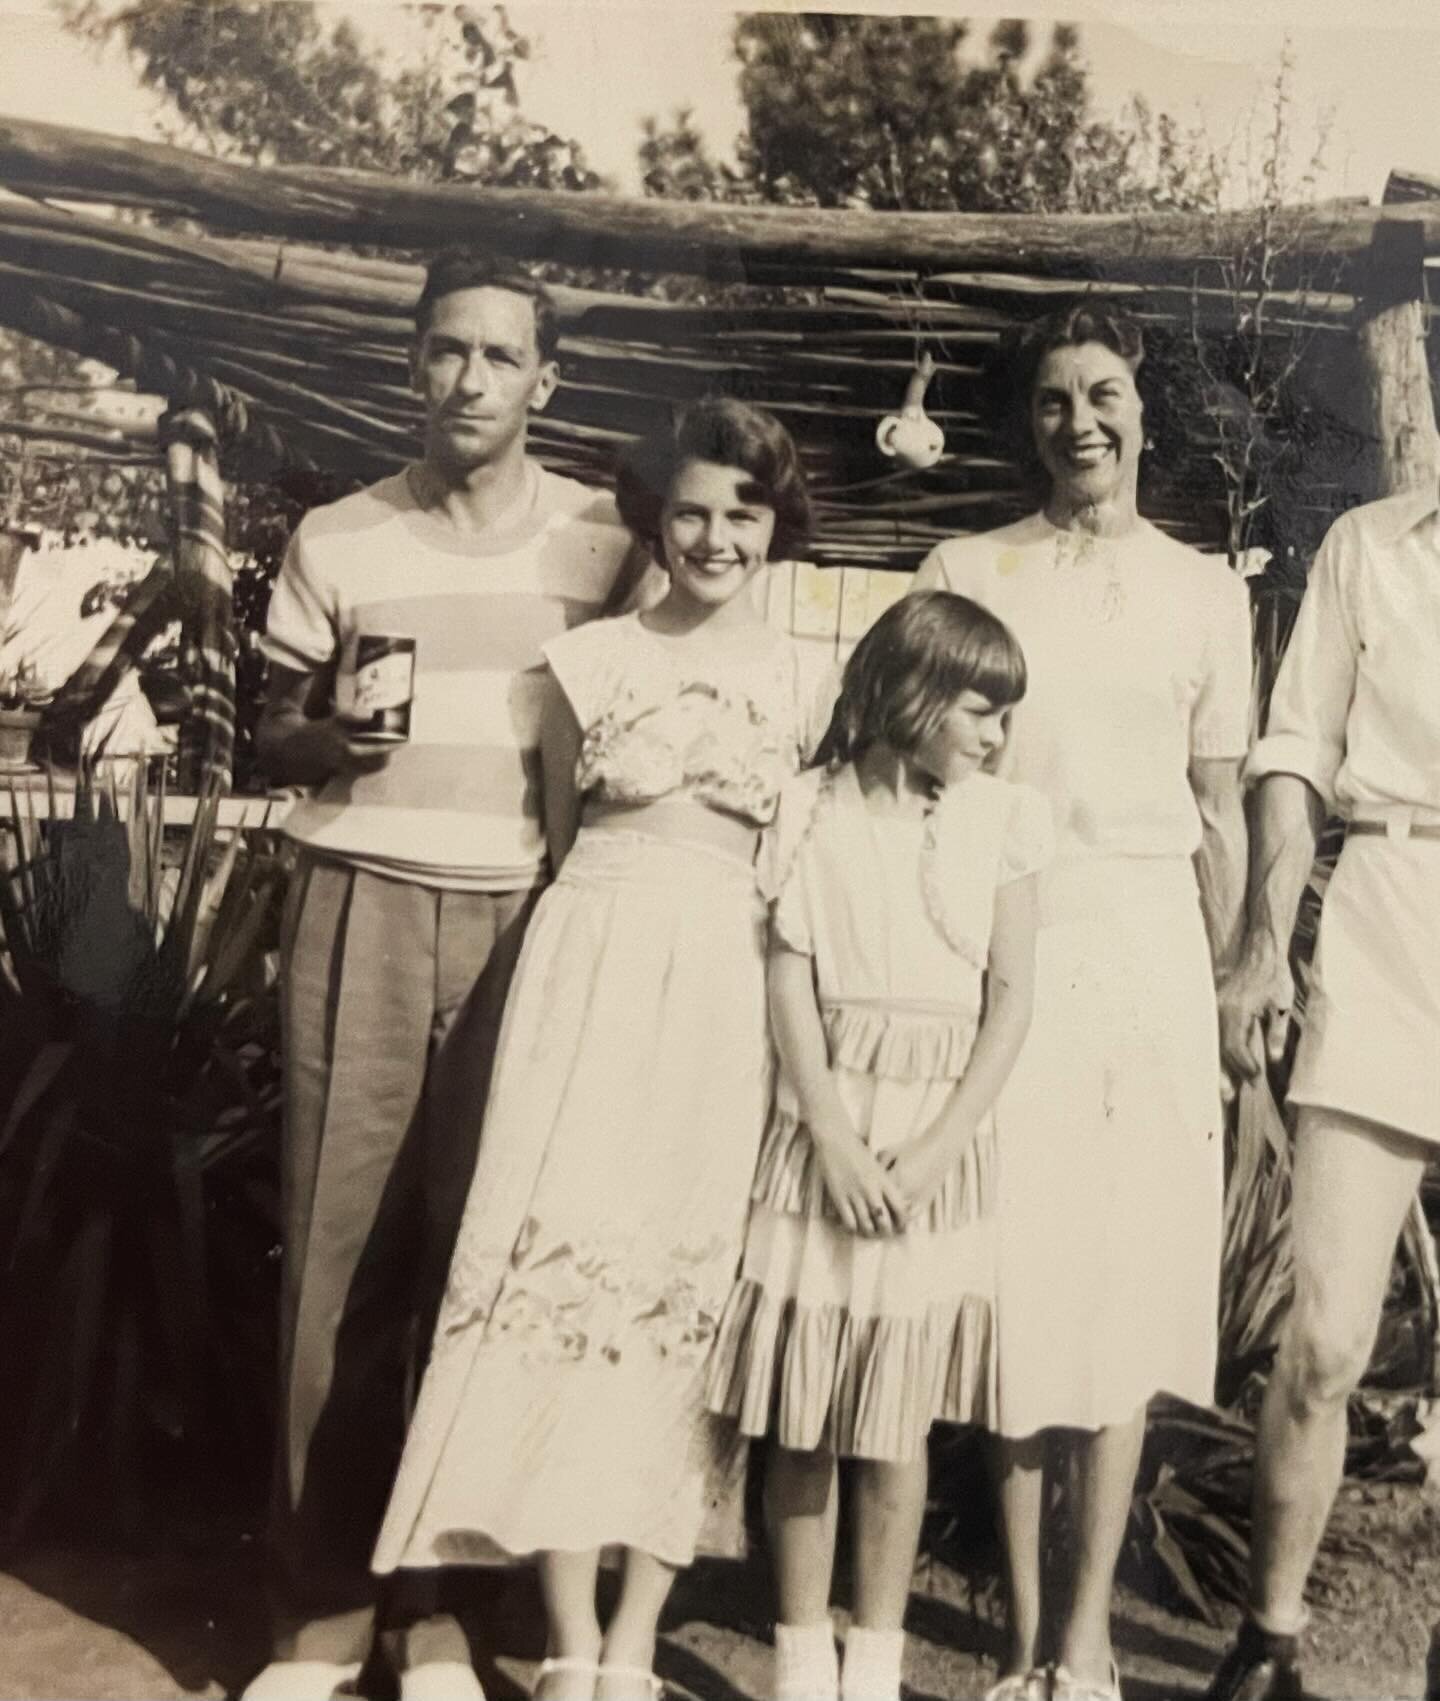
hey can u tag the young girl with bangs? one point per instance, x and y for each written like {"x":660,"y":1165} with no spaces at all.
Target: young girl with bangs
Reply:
{"x":899,"y":876}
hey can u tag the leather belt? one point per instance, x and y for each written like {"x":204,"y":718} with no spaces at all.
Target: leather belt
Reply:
{"x":1399,"y":829}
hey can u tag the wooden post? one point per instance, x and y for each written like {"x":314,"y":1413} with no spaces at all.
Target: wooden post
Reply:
{"x":1397,"y":411}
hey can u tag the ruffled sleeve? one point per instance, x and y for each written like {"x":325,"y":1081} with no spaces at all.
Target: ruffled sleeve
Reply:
{"x":1029,"y":842}
{"x":981,"y":834}
{"x":583,"y":662}
{"x":778,"y":872}
{"x":817,"y":685}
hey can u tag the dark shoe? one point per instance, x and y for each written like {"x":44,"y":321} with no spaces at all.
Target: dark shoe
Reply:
{"x":1260,"y":1667}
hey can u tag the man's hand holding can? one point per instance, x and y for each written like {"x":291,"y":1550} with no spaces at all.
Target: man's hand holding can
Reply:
{"x":383,"y":689}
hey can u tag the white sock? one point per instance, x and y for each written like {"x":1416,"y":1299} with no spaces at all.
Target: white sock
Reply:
{"x":806,"y":1668}
{"x":300,"y":1680}
{"x":441,"y":1680}
{"x":872,"y":1664}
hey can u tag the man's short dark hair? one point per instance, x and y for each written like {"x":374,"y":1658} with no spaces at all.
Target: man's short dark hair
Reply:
{"x":469,"y":268}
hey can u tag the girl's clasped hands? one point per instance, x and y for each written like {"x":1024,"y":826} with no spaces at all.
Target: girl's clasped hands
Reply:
{"x":881,"y":1193}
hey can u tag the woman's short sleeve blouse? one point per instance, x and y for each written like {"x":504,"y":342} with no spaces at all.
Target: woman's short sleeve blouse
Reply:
{"x":1139,"y":660}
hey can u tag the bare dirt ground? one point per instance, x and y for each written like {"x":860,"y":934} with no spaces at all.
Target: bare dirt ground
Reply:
{"x":80,"y":1621}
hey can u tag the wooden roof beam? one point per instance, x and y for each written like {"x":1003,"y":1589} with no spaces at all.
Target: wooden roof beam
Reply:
{"x":710,"y":239}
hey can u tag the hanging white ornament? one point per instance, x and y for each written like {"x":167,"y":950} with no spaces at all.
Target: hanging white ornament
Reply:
{"x":911,"y":436}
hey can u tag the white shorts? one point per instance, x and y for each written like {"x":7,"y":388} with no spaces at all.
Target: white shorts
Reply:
{"x":1371,"y":1045}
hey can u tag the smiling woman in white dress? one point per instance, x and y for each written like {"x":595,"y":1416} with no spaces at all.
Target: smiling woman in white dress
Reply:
{"x":1109,"y":1130}
{"x":563,"y":1409}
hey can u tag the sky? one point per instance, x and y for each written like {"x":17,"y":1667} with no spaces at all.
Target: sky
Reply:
{"x":601,"y":66}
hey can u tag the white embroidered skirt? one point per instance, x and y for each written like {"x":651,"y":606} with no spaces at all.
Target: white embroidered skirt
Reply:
{"x":1111,"y":1155}
{"x":1371,"y":1045}
{"x":563,"y":1407}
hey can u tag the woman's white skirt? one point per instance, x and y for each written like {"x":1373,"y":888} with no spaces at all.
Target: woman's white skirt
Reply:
{"x":1111,"y":1155}
{"x":1371,"y":1045}
{"x":564,"y":1403}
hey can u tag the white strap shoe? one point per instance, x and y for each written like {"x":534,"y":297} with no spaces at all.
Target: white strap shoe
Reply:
{"x":1066,"y":1688}
{"x":566,"y":1663}
{"x":1022,"y":1686}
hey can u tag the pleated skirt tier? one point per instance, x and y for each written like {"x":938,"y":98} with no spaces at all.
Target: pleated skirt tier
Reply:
{"x":563,"y":1408}
{"x":856,"y":1346}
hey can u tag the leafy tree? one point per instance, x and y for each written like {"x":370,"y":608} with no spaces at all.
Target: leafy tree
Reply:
{"x":267,"y":83}
{"x":677,"y":165}
{"x":890,"y":113}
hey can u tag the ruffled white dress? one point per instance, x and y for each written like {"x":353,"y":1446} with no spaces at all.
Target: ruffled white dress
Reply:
{"x":830,"y":1340}
{"x":563,"y":1406}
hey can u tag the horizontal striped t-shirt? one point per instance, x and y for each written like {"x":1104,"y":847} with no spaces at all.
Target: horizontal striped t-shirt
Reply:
{"x":459,"y":804}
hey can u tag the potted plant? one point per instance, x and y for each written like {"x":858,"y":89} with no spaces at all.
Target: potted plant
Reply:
{"x":23,"y":696}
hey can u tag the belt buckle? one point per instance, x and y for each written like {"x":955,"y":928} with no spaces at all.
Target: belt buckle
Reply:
{"x":1397,"y":826}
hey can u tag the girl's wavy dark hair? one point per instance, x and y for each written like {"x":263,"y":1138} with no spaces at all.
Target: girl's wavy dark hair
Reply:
{"x":906,"y":673}
{"x":731,"y":434}
{"x":1017,"y":366}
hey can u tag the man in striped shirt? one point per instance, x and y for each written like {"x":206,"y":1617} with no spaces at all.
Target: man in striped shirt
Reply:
{"x":419,"y":865}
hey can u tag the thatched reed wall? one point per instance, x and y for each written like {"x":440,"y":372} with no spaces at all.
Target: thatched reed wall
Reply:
{"x":302,"y":350}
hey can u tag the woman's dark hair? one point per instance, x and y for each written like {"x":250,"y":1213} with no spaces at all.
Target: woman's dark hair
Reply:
{"x":470,"y":268}
{"x":1013,"y":377}
{"x":730,"y":434}
{"x":905,"y":674}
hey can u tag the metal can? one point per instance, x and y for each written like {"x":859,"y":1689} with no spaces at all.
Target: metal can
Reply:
{"x":383,"y":690}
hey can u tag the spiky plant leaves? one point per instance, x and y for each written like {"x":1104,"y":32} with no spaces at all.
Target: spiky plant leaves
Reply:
{"x":72,"y":1325}
{"x":1194,"y":1493}
{"x":146,"y":1098}
{"x":44,"y":1073}
{"x":1256,"y":1270}
{"x":56,"y":1130}
{"x":1418,"y":1255}
{"x":1164,"y":1502}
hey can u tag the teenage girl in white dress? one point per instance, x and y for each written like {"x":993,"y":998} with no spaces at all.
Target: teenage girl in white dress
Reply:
{"x":563,"y":1409}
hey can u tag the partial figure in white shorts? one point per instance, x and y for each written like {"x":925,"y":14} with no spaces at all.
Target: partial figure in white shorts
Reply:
{"x":1354,"y":729}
